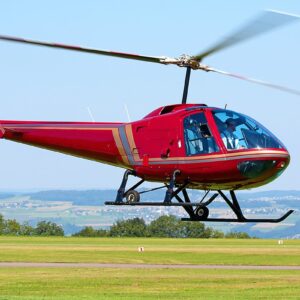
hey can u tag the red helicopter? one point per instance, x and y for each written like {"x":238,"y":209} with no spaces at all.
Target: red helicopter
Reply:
{"x":184,"y":146}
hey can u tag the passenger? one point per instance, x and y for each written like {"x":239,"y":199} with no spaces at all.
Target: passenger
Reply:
{"x":228,"y":136}
{"x":192,"y":137}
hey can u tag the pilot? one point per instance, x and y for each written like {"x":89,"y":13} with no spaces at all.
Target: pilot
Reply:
{"x":228,"y":136}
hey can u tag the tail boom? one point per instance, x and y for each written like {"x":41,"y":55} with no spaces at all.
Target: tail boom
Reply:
{"x":95,"y":141}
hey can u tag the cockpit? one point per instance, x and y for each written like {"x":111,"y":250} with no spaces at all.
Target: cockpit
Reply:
{"x":235,"y":130}
{"x":242,"y":132}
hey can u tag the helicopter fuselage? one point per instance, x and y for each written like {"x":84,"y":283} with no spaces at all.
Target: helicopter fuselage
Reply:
{"x":157,"y":145}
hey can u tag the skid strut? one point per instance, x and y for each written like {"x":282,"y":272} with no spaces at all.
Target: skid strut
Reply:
{"x":240,"y":218}
{"x":170,"y":187}
{"x":121,"y":191}
{"x":197,"y":211}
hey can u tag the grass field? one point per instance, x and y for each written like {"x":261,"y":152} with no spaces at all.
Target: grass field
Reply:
{"x":147,"y":284}
{"x":114,"y":283}
{"x":165,"y":251}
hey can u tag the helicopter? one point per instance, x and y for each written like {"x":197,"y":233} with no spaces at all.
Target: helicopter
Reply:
{"x":183,"y":146}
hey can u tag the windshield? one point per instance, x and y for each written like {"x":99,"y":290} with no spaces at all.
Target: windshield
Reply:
{"x":242,"y":132}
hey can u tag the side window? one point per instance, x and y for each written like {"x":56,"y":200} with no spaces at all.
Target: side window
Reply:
{"x":197,"y":135}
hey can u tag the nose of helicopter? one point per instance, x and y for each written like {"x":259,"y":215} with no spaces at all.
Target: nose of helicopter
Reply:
{"x":268,"y":169}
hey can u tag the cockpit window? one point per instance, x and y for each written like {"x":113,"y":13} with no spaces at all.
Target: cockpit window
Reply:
{"x":242,"y":132}
{"x":197,"y":136}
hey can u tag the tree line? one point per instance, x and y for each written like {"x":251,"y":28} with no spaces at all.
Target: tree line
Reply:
{"x":43,"y":228}
{"x":163,"y":227}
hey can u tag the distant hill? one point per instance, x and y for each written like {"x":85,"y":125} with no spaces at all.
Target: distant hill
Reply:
{"x":88,"y":198}
{"x":6,"y":195}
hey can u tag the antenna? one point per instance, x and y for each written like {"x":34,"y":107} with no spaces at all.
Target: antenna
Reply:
{"x":90,"y":113}
{"x":127,"y":112}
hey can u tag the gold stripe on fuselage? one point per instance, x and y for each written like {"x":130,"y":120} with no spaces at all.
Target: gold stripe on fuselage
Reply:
{"x":133,"y":148}
{"x":120,"y":146}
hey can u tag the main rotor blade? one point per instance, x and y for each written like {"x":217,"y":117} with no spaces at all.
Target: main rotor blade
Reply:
{"x":257,"y":81}
{"x":82,"y":49}
{"x":265,"y":22}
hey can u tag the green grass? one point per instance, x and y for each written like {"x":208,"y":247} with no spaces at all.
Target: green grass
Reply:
{"x":54,"y":283}
{"x":165,"y":251}
{"x":115,"y":283}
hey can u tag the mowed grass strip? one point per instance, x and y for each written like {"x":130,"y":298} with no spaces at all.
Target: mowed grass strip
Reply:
{"x":92,"y":283}
{"x":157,"y":251}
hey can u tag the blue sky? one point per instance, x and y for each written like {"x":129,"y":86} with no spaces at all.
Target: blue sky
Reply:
{"x":45,"y":84}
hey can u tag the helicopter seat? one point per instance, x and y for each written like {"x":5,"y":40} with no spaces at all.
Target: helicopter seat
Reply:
{"x":193,"y":143}
{"x":198,"y":145}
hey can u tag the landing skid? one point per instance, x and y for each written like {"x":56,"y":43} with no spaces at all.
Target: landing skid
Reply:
{"x":245,"y":220}
{"x":197,"y":211}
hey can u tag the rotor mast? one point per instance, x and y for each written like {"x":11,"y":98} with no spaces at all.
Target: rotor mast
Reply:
{"x":186,"y":85}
